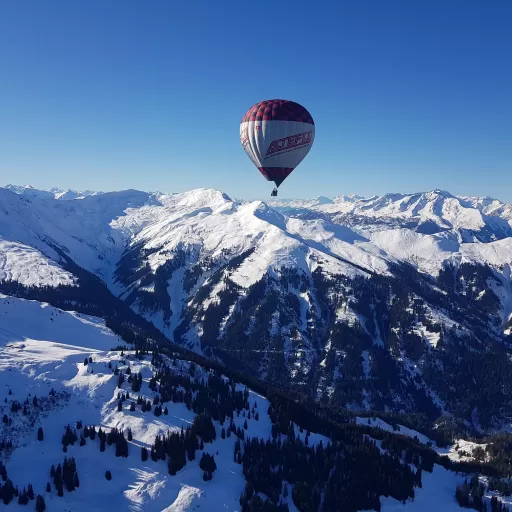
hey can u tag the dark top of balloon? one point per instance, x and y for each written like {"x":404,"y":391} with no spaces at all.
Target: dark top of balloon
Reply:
{"x":278,"y":110}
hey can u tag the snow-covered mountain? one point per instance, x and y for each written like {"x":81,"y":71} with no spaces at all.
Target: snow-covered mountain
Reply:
{"x":379,"y":303}
{"x":65,"y":384}
{"x":52,"y":193}
{"x":434,"y":212}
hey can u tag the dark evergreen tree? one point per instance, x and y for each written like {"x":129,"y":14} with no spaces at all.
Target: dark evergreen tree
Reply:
{"x":40,"y":504}
{"x":3,"y":471}
{"x":23,"y":498}
{"x":7,"y":492}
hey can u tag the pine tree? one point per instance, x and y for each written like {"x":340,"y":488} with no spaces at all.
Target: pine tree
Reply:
{"x":30,"y":492}
{"x":108,"y":475}
{"x":144,"y":454}
{"x":7,"y":492}
{"x":48,"y":487}
{"x":40,"y":435}
{"x":3,"y":471}
{"x":40,"y":504}
{"x":23,"y":498}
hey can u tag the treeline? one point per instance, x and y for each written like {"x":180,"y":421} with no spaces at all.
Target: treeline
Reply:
{"x":348,"y":478}
{"x":309,"y":416}
{"x":268,"y":464}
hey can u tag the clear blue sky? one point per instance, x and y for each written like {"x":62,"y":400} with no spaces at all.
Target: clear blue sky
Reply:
{"x":406,"y":95}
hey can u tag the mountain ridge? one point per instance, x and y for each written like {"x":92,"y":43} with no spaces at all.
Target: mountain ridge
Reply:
{"x":363,"y":303}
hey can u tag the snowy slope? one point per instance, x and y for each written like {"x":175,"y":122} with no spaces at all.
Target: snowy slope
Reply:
{"x":42,"y":348}
{"x":80,"y":229}
{"x":209,"y":229}
{"x":28,"y":266}
{"x":211,"y":224}
{"x":24,"y":319}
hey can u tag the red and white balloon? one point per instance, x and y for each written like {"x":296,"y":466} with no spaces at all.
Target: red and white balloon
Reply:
{"x":277,"y":135}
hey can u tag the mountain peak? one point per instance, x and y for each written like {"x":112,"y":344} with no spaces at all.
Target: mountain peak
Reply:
{"x":440,"y":192}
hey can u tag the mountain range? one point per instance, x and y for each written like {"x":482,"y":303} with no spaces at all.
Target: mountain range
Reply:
{"x":398,"y":303}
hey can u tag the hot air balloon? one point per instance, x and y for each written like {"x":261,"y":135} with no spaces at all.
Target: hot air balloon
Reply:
{"x":277,"y":135}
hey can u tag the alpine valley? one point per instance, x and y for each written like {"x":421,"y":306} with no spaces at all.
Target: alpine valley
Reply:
{"x":374,"y":330}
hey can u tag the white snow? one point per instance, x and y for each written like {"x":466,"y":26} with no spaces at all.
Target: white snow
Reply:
{"x":30,"y":267}
{"x":22,"y":320}
{"x":437,"y":493}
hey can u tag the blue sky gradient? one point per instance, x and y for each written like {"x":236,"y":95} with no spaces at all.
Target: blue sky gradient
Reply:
{"x":406,"y":96}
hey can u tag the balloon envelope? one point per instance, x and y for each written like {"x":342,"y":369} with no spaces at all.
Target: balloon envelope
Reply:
{"x":277,"y":135}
